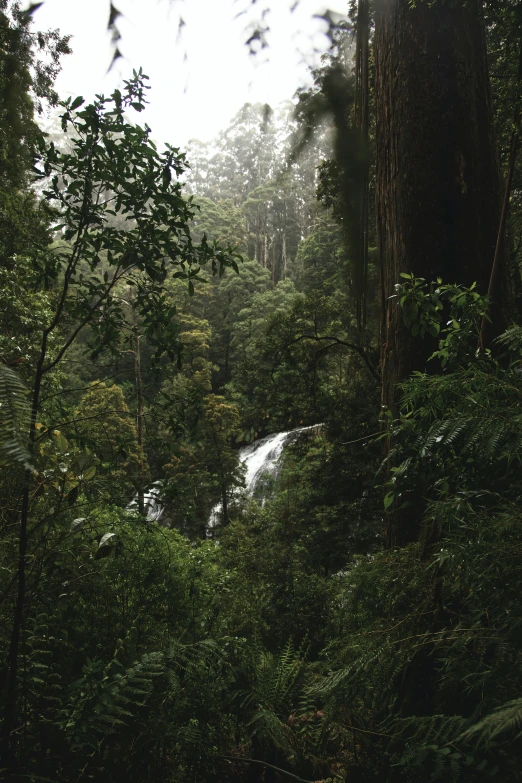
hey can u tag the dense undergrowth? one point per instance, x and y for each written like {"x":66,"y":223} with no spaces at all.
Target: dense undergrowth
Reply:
{"x":148,"y":653}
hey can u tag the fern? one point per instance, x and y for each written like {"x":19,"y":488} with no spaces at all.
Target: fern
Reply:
{"x":506,"y":719}
{"x":14,"y":417}
{"x":457,"y":432}
{"x":44,"y":691}
{"x":196,"y":705}
{"x":107,"y":697}
{"x":269,"y":699}
{"x":511,"y":339}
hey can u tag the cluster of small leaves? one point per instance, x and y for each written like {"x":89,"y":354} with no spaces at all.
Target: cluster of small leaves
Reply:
{"x":450,"y":312}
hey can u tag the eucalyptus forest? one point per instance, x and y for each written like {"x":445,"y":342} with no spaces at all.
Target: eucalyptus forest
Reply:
{"x":261,"y":417}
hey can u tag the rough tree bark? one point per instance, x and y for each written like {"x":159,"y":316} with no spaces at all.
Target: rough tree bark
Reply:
{"x":438,"y":179}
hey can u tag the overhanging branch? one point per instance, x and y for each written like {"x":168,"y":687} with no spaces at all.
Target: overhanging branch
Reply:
{"x":337,"y":341}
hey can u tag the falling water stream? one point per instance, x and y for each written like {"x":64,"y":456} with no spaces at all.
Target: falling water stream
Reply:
{"x":261,"y":461}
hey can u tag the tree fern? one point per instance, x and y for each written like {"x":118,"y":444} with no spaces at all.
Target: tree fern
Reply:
{"x":268,"y":701}
{"x":457,"y":432}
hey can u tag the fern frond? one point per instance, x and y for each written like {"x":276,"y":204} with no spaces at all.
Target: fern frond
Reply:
{"x":506,"y":719}
{"x":100,"y":701}
{"x":14,"y":418}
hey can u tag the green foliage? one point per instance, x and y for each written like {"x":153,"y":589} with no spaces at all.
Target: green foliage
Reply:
{"x":103,"y":424}
{"x":221,"y":221}
{"x":25,"y":310}
{"x":272,"y":685}
{"x":148,"y":653}
{"x":425,"y":308}
{"x":428,"y":654}
{"x":29,"y":64}
{"x":290,"y":364}
{"x":272,"y":592}
{"x":319,"y":255}
{"x":503,"y":21}
{"x":506,"y":719}
{"x":202,"y":467}
{"x":105,"y":698}
{"x":247,"y":179}
{"x":14,"y":417}
{"x":116,"y":177}
{"x":101,"y":668}
{"x":454,"y":434}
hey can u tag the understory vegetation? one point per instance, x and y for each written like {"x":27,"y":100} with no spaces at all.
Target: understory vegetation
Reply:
{"x":160,"y":311}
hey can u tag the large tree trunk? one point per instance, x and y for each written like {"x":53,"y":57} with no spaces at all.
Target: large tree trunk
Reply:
{"x":438,"y":181}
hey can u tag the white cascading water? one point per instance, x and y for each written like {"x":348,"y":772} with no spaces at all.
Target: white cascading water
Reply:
{"x":261,"y":458}
{"x":261,"y":461}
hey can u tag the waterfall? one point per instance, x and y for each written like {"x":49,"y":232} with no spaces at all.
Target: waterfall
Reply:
{"x":261,"y":461}
{"x":261,"y":458}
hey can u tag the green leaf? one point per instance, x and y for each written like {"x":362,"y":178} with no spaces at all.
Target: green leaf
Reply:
{"x":77,"y":102}
{"x":14,"y":414}
{"x":78,"y":524}
{"x":388,"y":500}
{"x":61,"y":442}
{"x":106,"y":540}
{"x":89,"y":474}
{"x":72,"y":497}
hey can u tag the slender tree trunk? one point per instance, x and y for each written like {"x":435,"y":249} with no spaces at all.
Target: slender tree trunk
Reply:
{"x":11,"y":685}
{"x":438,"y":182}
{"x":224,"y":502}
{"x":362,"y":121}
{"x":495,"y":281}
{"x":226,"y":368}
{"x":139,"y":421}
{"x":284,"y":260}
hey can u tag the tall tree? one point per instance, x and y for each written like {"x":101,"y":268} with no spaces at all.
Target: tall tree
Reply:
{"x":438,"y":180}
{"x":29,"y":63}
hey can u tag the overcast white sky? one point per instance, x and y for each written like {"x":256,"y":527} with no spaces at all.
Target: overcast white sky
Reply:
{"x":199,"y":80}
